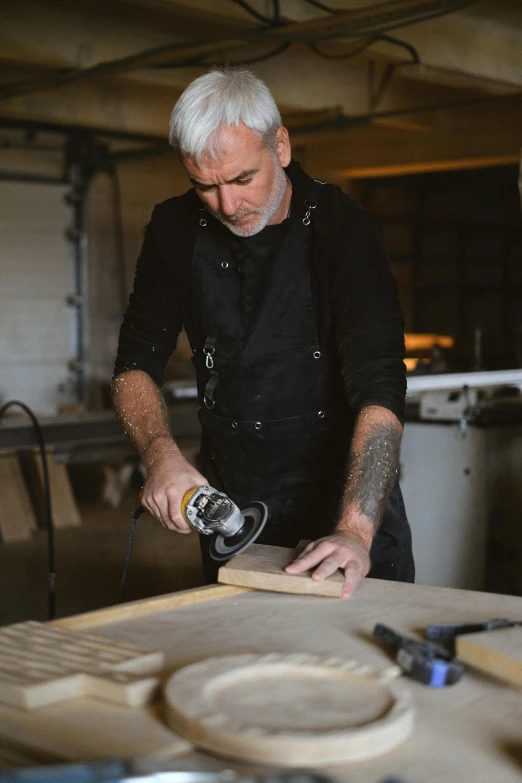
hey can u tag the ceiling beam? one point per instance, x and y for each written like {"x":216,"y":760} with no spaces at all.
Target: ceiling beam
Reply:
{"x":384,"y":16}
{"x":467,"y":134}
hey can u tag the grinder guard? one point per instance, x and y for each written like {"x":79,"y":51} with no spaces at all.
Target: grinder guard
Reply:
{"x":213,"y":513}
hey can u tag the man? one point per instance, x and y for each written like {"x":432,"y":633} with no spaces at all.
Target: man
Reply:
{"x":283,"y":286}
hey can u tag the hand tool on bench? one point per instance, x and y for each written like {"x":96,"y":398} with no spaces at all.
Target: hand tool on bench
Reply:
{"x":448,"y":632}
{"x":497,"y":652}
{"x":427,"y":662}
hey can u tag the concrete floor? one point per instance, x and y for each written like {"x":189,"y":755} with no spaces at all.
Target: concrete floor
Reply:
{"x":89,"y":563}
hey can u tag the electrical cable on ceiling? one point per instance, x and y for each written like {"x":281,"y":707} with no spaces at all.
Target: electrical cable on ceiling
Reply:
{"x":404,"y":44}
{"x":321,"y":6}
{"x":143,"y":59}
{"x":48,"y":506}
{"x":359,"y":49}
{"x":262,"y":58}
{"x":252,"y":11}
{"x":346,"y":55}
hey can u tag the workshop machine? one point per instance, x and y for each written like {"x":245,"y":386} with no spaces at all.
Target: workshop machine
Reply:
{"x":460,"y":471}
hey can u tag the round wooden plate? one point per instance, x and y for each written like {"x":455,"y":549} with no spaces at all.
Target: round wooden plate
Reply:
{"x":289,"y":710}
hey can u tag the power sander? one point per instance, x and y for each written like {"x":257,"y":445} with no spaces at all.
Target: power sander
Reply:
{"x":213,"y":513}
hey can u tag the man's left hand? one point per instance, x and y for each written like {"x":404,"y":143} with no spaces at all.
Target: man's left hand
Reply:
{"x":332,"y":552}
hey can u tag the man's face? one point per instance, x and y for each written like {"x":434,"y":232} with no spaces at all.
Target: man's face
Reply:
{"x":245,"y":187}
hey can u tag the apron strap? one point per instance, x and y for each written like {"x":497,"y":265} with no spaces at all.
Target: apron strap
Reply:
{"x":311,"y":202}
{"x":210,"y":388}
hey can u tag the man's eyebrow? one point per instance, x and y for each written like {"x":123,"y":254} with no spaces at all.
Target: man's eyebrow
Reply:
{"x":243,"y":175}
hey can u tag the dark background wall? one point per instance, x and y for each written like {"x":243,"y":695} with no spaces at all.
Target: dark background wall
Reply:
{"x":455,"y":243}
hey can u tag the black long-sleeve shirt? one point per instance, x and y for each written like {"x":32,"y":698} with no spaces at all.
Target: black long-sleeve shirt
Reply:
{"x":358,"y":316}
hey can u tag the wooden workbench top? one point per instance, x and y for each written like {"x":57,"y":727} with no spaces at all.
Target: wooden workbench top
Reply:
{"x":468,"y":732}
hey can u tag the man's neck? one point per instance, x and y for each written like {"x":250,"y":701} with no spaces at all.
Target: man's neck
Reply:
{"x":284,"y":210}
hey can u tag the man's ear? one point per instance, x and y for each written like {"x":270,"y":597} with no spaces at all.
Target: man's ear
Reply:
{"x":283,"y":147}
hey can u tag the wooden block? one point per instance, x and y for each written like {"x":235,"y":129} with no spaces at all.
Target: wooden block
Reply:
{"x":497,"y":652}
{"x":87,"y":729}
{"x":65,"y":510}
{"x":262,"y":567}
{"x":17,"y":519}
{"x":41,"y":664}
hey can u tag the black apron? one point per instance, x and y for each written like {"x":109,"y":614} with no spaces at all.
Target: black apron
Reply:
{"x":275,"y":426}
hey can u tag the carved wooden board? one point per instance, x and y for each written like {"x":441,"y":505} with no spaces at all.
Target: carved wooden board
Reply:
{"x":42,"y":664}
{"x":289,"y":710}
{"x":497,"y":652}
{"x":262,"y":567}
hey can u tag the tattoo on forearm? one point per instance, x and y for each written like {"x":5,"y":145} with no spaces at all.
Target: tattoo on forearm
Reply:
{"x":373,"y":471}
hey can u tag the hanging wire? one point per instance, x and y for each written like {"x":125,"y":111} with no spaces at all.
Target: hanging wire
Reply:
{"x":404,"y":44}
{"x":260,"y":17}
{"x":141,"y":59}
{"x":369,"y":41}
{"x":321,"y":6}
{"x":136,"y":514}
{"x":48,"y":506}
{"x":345,"y":55}
{"x":262,"y":57}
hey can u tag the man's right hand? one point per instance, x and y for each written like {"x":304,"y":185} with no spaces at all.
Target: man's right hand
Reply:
{"x":169,"y":476}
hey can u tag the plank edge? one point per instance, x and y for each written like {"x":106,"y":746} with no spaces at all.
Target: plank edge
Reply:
{"x":162,"y":603}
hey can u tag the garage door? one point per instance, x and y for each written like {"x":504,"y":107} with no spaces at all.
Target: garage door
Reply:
{"x":35,"y":322}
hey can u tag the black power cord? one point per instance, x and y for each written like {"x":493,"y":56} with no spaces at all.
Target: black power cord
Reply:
{"x":136,"y":514}
{"x":48,"y":506}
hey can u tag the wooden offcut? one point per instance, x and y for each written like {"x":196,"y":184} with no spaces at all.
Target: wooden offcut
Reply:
{"x":17,"y":519}
{"x":289,"y":710}
{"x":64,"y":507}
{"x":41,"y":665}
{"x":262,"y":567}
{"x":497,"y":652}
{"x":87,"y":729}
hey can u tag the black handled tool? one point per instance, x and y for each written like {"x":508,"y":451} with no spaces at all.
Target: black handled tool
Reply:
{"x":448,"y":631}
{"x":426,"y":662}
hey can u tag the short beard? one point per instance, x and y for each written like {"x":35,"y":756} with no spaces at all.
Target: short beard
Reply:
{"x":266,"y":213}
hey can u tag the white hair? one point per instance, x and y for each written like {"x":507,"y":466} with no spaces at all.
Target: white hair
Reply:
{"x":223,"y":97}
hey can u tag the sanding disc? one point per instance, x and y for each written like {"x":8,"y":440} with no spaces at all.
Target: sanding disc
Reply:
{"x":255,"y":516}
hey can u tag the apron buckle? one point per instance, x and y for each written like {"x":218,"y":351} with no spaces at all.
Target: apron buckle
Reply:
{"x":309,"y":206}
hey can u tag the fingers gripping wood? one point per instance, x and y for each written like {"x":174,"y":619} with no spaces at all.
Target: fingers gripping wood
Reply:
{"x":262,"y":567}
